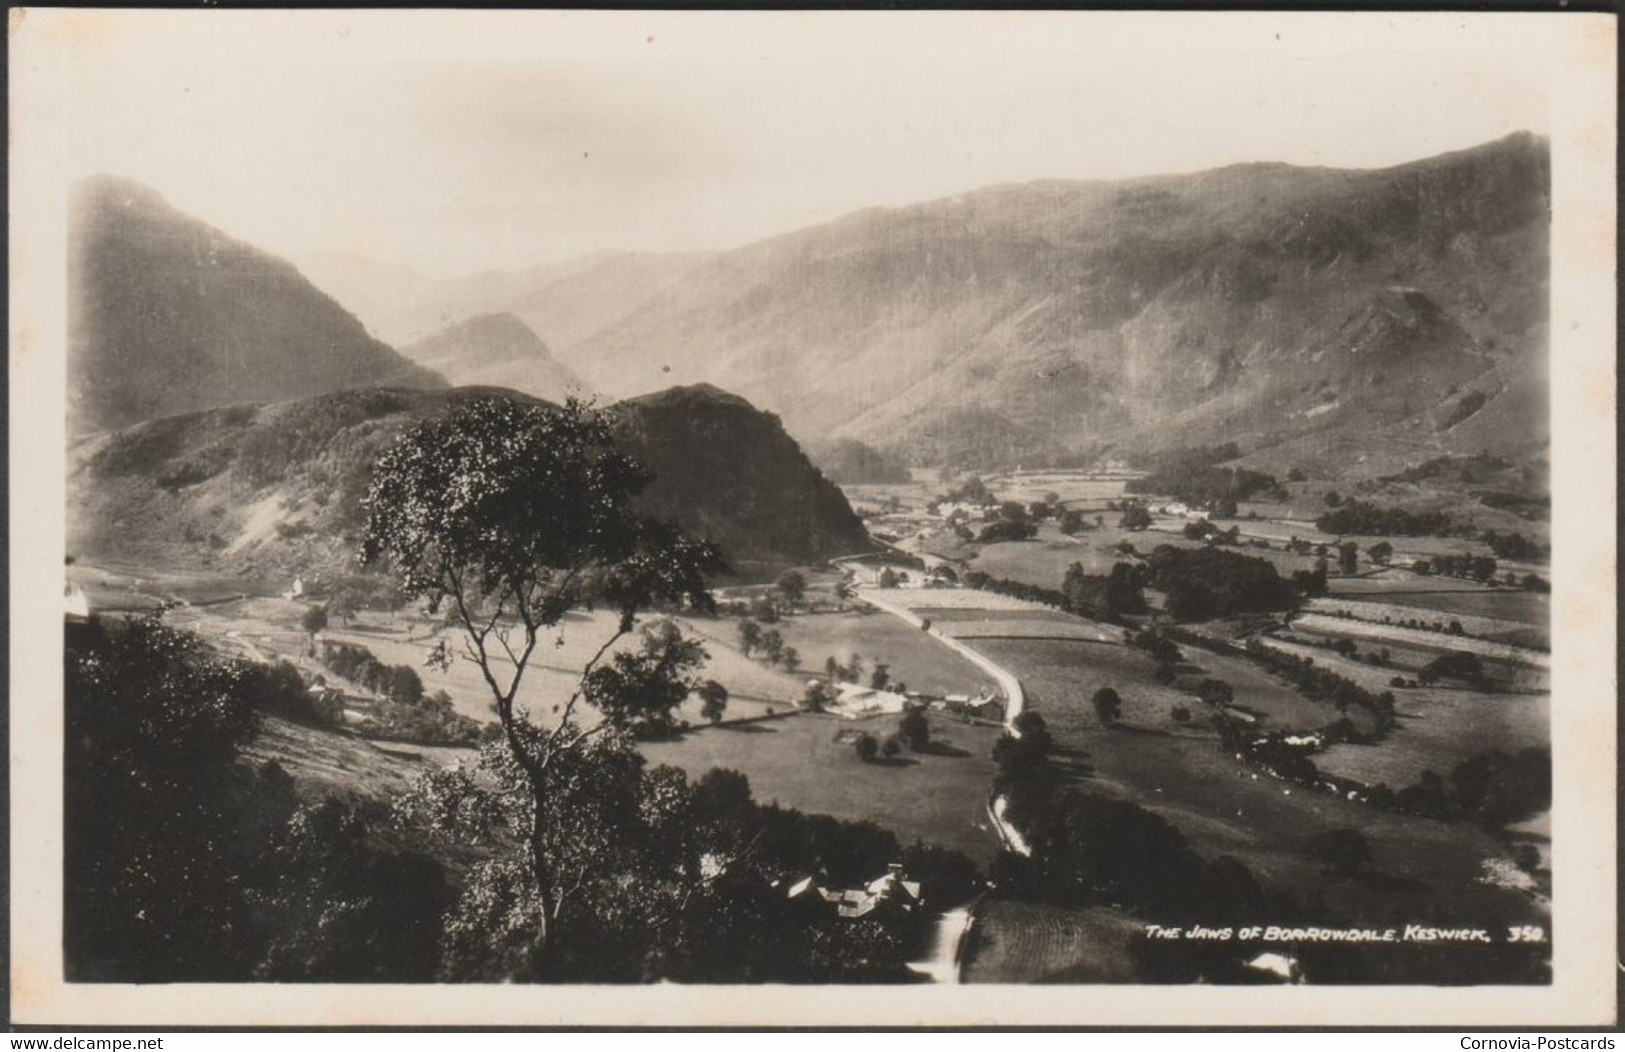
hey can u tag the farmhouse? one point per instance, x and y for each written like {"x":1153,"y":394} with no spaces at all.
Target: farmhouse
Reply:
{"x":983,"y":706}
{"x":963,"y":510}
{"x":855,"y":702}
{"x":890,"y":890}
{"x":871,"y":573}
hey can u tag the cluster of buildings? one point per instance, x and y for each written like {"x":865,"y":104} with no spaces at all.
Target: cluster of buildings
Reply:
{"x":891,"y":891}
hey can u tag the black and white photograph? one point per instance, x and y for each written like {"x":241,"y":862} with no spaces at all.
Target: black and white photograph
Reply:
{"x":780,"y":514}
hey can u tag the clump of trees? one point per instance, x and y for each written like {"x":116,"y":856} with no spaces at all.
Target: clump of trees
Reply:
{"x":1458,"y":664}
{"x":1105,"y":597}
{"x":1136,"y":516}
{"x":1205,"y":583}
{"x":185,"y":863}
{"x":1194,"y":476}
{"x":1359,"y":517}
{"x":398,"y":683}
{"x":1494,"y":788}
{"x":1480,"y":568}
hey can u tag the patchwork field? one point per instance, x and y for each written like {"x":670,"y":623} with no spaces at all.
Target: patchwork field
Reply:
{"x":872,"y":635}
{"x":1429,"y":610}
{"x":939,"y":796}
{"x":1226,"y":808}
{"x":1325,"y":624}
{"x":1259,"y":692}
{"x":938,"y":599}
{"x":1512,"y":610}
{"x":1033,"y":628}
{"x":268,"y":630}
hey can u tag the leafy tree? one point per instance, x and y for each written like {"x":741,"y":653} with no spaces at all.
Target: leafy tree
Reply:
{"x":1215,"y":692}
{"x":713,"y":700}
{"x":790,"y":659}
{"x":1108,"y":706}
{"x":888,"y":578}
{"x":880,"y":676}
{"x":763,"y":610}
{"x":866,"y":746}
{"x":915,"y":729}
{"x":1333,"y":498}
{"x":750,"y":635}
{"x":405,"y":685}
{"x":1380,"y":552}
{"x":508,"y":514}
{"x":1458,"y":664}
{"x":1135,"y":517}
{"x":313,"y":620}
{"x":641,"y":689}
{"x":817,"y":696}
{"x":772,"y":646}
{"x":889,"y":748}
{"x":1348,"y":558}
{"x":153,"y":724}
{"x":793,"y":586}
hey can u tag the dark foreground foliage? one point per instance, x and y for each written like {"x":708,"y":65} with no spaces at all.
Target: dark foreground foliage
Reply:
{"x":187,"y":862}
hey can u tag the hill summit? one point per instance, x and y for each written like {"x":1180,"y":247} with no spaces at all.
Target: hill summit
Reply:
{"x":496,"y":350}
{"x":168,"y":315}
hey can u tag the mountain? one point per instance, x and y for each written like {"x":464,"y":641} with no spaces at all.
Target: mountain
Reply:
{"x":169,"y":315}
{"x":496,"y":350}
{"x":564,"y":302}
{"x":1310,"y":314}
{"x":275,"y":490}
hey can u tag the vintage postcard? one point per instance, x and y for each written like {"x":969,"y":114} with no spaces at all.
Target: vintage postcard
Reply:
{"x":795,"y":519}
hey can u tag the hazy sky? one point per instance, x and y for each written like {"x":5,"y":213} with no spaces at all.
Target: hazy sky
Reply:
{"x":453,"y":142}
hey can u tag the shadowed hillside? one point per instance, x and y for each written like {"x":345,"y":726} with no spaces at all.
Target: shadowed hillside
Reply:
{"x":169,"y":315}
{"x":277,"y":489}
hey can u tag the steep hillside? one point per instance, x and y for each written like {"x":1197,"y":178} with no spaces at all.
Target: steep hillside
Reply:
{"x":729,"y":472}
{"x":1400,"y":313}
{"x":496,"y":350}
{"x":276,"y":489}
{"x":168,"y":315}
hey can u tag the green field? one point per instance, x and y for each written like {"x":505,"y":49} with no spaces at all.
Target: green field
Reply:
{"x":939,"y":797}
{"x":268,"y":630}
{"x":1226,"y":808}
{"x":1505,"y":604}
{"x":873,"y":635}
{"x":1257,"y":691}
{"x":1439,"y":728}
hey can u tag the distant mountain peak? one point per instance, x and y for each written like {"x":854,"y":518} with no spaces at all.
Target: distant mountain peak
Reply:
{"x":497,"y":350}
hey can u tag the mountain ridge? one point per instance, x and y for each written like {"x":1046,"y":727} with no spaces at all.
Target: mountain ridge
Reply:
{"x":169,"y":314}
{"x":497,"y":350}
